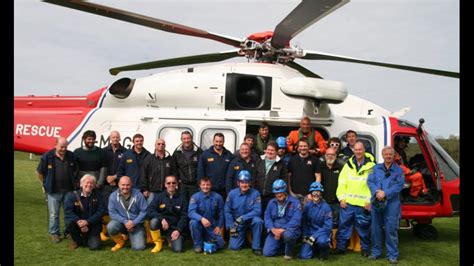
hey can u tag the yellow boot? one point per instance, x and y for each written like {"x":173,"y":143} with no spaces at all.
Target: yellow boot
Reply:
{"x":119,"y":242}
{"x":156,"y":235}
{"x":103,"y":234}
{"x":149,"y":239}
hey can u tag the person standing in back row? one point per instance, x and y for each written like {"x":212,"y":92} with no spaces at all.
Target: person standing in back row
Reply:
{"x":262,"y":138}
{"x":57,"y":173}
{"x":317,"y":144}
{"x":186,"y":157}
{"x":214,"y":163}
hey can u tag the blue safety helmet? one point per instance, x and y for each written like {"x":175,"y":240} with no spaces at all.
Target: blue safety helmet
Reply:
{"x":377,"y":205}
{"x":316,"y":186}
{"x":281,"y":142}
{"x":243,"y":176}
{"x":279,"y":186}
{"x":363,"y":219}
{"x":210,"y":247}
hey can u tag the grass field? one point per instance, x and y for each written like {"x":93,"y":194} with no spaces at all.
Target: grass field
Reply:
{"x":32,"y":244}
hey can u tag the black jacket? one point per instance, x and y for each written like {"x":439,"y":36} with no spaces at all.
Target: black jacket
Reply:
{"x":173,"y":209}
{"x":154,"y":171}
{"x":187,"y":170}
{"x":265,"y":181}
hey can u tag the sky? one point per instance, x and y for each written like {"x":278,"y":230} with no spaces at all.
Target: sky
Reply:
{"x":61,"y":51}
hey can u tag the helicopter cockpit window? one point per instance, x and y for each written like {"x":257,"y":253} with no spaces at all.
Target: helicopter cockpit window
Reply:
{"x":207,"y":136}
{"x":248,"y":92}
{"x":172,"y":136}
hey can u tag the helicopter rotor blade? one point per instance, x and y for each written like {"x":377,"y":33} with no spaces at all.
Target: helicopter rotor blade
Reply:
{"x":187,"y":60}
{"x":322,"y":56}
{"x":308,"y":73}
{"x":146,"y":21}
{"x":303,"y":16}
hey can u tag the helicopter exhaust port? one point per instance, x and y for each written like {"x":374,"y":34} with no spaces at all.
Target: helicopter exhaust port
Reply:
{"x":122,"y":88}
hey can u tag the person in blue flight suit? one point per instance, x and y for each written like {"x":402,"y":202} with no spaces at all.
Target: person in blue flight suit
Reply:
{"x":243,"y":208}
{"x":316,"y":224}
{"x":214,"y":163}
{"x":282,"y":150}
{"x":132,"y":160}
{"x":385,"y":183}
{"x":282,"y":221}
{"x":206,"y":214}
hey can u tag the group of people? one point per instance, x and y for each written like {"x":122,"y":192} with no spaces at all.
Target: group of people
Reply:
{"x":274,"y":192}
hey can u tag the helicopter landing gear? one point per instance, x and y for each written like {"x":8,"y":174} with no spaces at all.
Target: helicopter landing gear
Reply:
{"x":424,"y":231}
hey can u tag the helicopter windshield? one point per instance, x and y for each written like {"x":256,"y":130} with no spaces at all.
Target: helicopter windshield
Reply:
{"x":446,"y":164}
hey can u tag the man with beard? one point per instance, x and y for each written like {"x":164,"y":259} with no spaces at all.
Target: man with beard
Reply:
{"x":91,"y":159}
{"x":282,"y":221}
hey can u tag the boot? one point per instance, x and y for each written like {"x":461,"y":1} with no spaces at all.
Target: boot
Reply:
{"x":156,"y":236}
{"x":103,"y":234}
{"x":333,"y":238}
{"x":119,"y":242}
{"x":149,"y":239}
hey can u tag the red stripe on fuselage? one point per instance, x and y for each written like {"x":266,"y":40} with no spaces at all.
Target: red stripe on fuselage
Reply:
{"x":39,"y":120}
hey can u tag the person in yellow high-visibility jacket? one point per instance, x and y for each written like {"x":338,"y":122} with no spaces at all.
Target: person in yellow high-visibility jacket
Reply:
{"x":354,"y":198}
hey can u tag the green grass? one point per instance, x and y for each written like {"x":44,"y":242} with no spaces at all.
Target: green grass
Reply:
{"x":32,"y":244}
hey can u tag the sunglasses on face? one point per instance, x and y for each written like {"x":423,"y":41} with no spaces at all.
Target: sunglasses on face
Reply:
{"x":171,"y":183}
{"x":160,"y":144}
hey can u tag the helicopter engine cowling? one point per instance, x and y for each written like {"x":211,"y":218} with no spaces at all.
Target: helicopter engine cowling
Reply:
{"x":323,"y":91}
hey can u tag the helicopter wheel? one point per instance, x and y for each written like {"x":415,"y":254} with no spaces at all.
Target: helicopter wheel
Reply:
{"x":425,"y":231}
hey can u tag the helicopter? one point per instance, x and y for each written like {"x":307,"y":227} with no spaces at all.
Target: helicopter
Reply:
{"x":234,"y":98}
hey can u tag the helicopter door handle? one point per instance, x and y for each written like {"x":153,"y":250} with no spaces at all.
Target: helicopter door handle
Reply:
{"x":146,"y":118}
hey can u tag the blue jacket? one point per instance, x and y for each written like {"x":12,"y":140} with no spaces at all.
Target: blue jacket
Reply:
{"x":130,"y":165}
{"x":214,"y":166}
{"x":136,"y":210}
{"x":92,"y":211}
{"x":237,"y":165}
{"x":391,"y":185}
{"x":47,"y":166}
{"x":248,"y":205}
{"x":209,"y":206}
{"x":317,"y":219}
{"x":291,"y":219}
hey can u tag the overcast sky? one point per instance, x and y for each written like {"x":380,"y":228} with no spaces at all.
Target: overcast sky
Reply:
{"x":68,"y":52}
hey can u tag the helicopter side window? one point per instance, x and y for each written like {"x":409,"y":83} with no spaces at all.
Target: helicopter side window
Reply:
{"x":369,"y":142}
{"x":248,"y":92}
{"x":207,"y":136}
{"x":172,"y":136}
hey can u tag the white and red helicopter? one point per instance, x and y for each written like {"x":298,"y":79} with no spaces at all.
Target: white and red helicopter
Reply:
{"x":234,"y":98}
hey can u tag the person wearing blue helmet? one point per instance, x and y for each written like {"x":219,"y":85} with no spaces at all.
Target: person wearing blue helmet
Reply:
{"x":316,"y":224}
{"x":385,"y":183}
{"x":282,"y":221}
{"x":243,"y":208}
{"x":244,"y":161}
{"x":282,"y":150}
